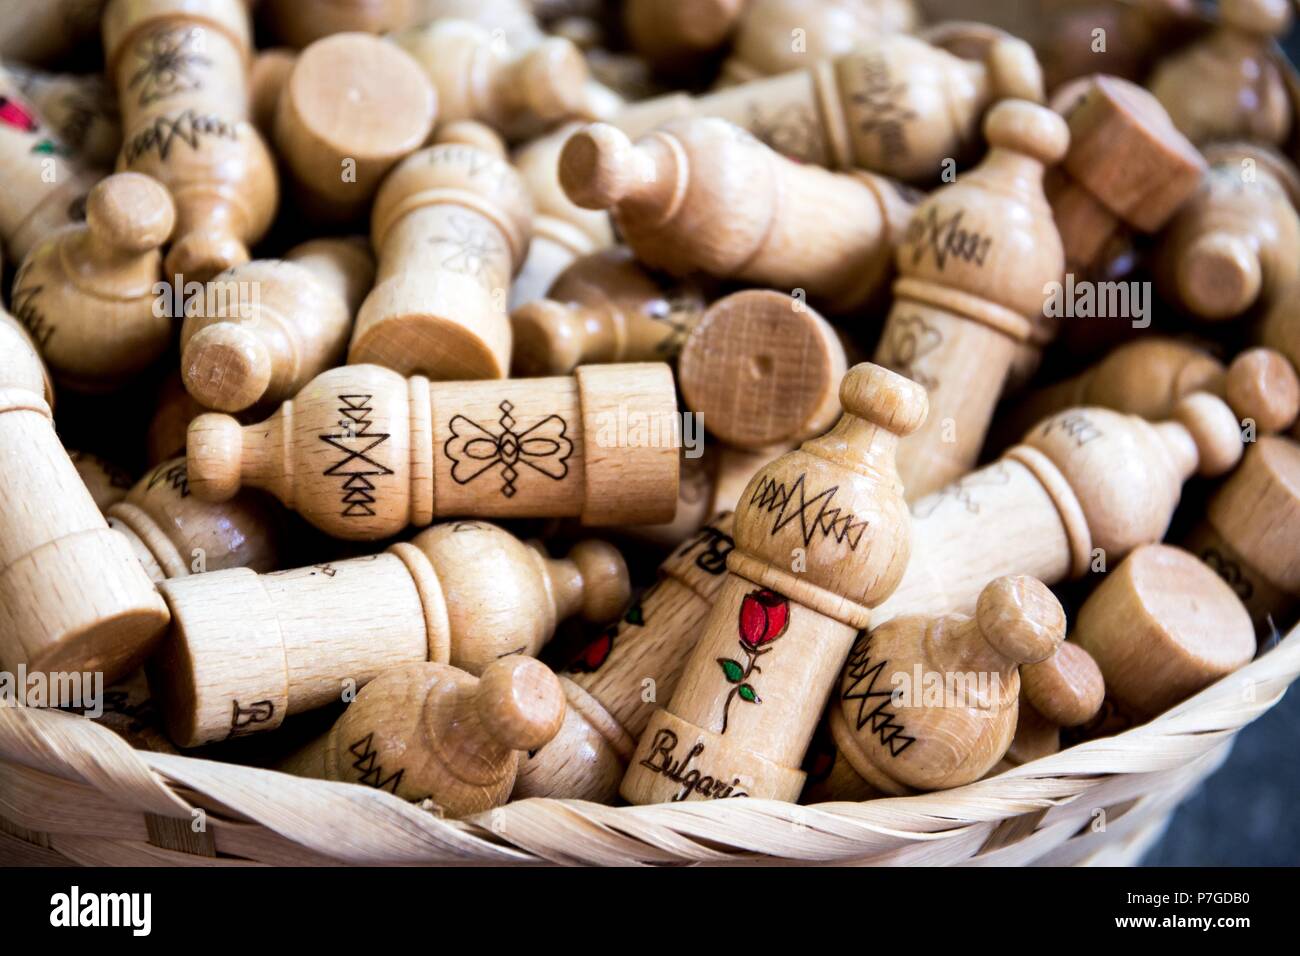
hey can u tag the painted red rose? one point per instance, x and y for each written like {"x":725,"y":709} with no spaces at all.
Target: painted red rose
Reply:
{"x":764,"y":616}
{"x":594,"y":654}
{"x":15,"y":114}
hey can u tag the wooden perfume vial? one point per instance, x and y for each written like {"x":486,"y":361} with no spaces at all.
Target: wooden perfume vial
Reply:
{"x":450,"y":226}
{"x":352,"y":107}
{"x":432,"y":732}
{"x":972,"y":272}
{"x":611,"y":683}
{"x":87,"y":292}
{"x":79,"y":107}
{"x":931,"y":703}
{"x":896,"y":106}
{"x":264,"y":329}
{"x":465,"y":593}
{"x":75,"y":598}
{"x":181,"y":72}
{"x":735,"y":726}
{"x":605,"y":307}
{"x":362,"y":453}
{"x":702,"y":195}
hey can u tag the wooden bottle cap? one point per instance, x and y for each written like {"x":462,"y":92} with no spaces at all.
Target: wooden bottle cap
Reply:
{"x":351,"y":98}
{"x":1066,"y":688}
{"x":1257,"y":511}
{"x":1261,"y":385}
{"x":130,"y":212}
{"x":762,"y":368}
{"x":1162,"y":626}
{"x":1020,"y":619}
{"x":520,"y":702}
{"x":1221,"y":273}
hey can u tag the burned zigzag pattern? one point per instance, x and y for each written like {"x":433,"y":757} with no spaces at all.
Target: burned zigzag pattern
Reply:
{"x":814,"y":514}
{"x":862,"y":675}
{"x":368,"y":768}
{"x":357,"y":441}
{"x":175,"y":475}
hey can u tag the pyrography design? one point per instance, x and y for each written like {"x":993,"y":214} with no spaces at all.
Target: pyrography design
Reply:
{"x":1076,"y":426}
{"x":946,"y":238}
{"x":861,"y":675}
{"x":355,"y":439}
{"x":175,"y":475}
{"x":911,"y":340}
{"x":764,"y":616}
{"x":878,"y":108}
{"x":474,"y":449}
{"x":24,"y":305}
{"x":167,"y":60}
{"x":714,"y":546}
{"x":369,"y":770}
{"x":963,"y":491}
{"x":241,"y":718}
{"x":790,"y":503}
{"x":791,"y":131}
{"x":187,"y":126}
{"x":1229,"y":570}
{"x":472,"y":246}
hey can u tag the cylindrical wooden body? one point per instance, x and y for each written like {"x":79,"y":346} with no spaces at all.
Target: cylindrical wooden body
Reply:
{"x":181,"y":72}
{"x":73,"y":595}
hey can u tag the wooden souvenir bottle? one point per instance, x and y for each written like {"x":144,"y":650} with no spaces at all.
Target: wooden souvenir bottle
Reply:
{"x":605,"y":307}
{"x":432,"y":732}
{"x":608,"y":682}
{"x":362,"y":453}
{"x":464,"y":593}
{"x":79,"y":107}
{"x":351,"y":108}
{"x":762,"y":369}
{"x":563,"y":233}
{"x":896,"y":106}
{"x":702,"y":195}
{"x":735,"y":726}
{"x":1227,"y":86}
{"x":671,"y":33}
{"x":75,"y":598}
{"x":931,"y":703}
{"x":1083,"y":489}
{"x":174,"y":534}
{"x":450,"y":226}
{"x":181,"y":72}
{"x":87,"y":293}
{"x":519,"y":95}
{"x":764,"y":41}
{"x":264,"y":329}
{"x":44,"y":188}
{"x":107,"y":483}
{"x":972,"y":272}
{"x":21,"y":365}
{"x":1066,"y":690}
{"x":1237,"y":241}
{"x":1250,"y":533}
{"x":1162,"y":626}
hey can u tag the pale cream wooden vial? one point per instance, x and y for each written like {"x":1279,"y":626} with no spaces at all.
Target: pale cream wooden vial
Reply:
{"x":972,"y":272}
{"x":247,"y":650}
{"x":181,"y":68}
{"x":611,"y":684}
{"x":519,"y":93}
{"x":1227,"y":86}
{"x":896,"y":106}
{"x":1250,"y":532}
{"x":174,"y":534}
{"x":264,"y":329}
{"x":432,"y":732}
{"x":450,"y":226}
{"x":1162,"y":626}
{"x":44,"y":190}
{"x":351,"y":109}
{"x":79,"y":107}
{"x":1082,"y":490}
{"x":762,"y":369}
{"x":563,"y":233}
{"x":702,"y":195}
{"x":604,"y":307}
{"x":912,"y":742}
{"x":797,"y":591}
{"x":74,"y":596}
{"x":87,"y":292}
{"x":1236,"y":243}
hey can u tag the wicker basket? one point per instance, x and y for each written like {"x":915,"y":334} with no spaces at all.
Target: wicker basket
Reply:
{"x":72,"y":791}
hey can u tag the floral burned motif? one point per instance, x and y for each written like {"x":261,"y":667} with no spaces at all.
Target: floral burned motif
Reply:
{"x":764,"y":617}
{"x":473,"y":449}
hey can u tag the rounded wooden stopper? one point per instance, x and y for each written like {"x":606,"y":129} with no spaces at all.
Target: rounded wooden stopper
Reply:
{"x":1262,"y":386}
{"x":1257,"y":511}
{"x":1020,"y":618}
{"x":520,"y":702}
{"x":762,"y":368}
{"x":1221,"y":274}
{"x":1066,"y":688}
{"x":1162,"y":626}
{"x":226,"y":366}
{"x":352,"y":108}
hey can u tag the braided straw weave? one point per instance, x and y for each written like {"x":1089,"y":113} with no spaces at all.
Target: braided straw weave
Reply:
{"x":72,"y":791}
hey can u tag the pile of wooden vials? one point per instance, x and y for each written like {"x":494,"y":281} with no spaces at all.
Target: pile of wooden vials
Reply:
{"x":644,"y":401}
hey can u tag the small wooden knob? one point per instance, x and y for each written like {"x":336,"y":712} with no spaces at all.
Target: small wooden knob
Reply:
{"x":214,"y":449}
{"x":548,"y":338}
{"x":227,"y":366}
{"x":1066,"y":688}
{"x":552,"y":79}
{"x":762,"y":368}
{"x":1221,"y":275}
{"x":600,"y":167}
{"x":1261,"y":385}
{"x":130,"y":212}
{"x":1214,"y":430}
{"x":1027,"y":128}
{"x":520,"y":702}
{"x":1020,"y":618}
{"x":468,"y":132}
{"x":603,"y":579}
{"x":884,"y":398}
